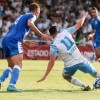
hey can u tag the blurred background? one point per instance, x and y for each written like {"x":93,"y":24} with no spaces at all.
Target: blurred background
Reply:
{"x":62,"y":13}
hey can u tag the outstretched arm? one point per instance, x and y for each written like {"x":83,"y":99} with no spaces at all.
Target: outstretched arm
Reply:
{"x":81,"y":21}
{"x":49,"y":68}
{"x":74,"y":28}
{"x":35,"y":29}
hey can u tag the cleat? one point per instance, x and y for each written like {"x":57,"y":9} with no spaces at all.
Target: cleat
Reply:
{"x":88,"y":88}
{"x":12,"y":88}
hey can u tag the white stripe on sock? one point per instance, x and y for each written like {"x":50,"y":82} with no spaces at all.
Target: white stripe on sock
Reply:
{"x":9,"y":68}
{"x":18,"y":67}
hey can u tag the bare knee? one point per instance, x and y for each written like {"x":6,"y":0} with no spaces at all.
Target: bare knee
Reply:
{"x":67,"y":78}
{"x":97,"y":51}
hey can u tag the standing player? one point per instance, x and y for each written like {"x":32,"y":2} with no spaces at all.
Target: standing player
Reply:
{"x":95,"y":34}
{"x":64,"y":45}
{"x":12,"y":44}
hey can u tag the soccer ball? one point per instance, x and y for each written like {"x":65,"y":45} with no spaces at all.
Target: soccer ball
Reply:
{"x":96,"y":83}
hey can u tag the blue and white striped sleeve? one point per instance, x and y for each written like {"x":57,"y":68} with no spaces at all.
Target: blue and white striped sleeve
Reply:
{"x":71,"y":30}
{"x":32,"y":17}
{"x":53,"y":50}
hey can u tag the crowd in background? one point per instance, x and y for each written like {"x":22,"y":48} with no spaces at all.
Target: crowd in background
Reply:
{"x":62,"y":13}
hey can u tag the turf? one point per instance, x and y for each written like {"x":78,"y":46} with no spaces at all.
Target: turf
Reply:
{"x":53,"y":88}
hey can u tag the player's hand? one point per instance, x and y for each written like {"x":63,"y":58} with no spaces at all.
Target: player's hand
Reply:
{"x":46,"y":37}
{"x":86,"y":14}
{"x":90,"y":37}
{"x":30,"y":43}
{"x":42,"y":79}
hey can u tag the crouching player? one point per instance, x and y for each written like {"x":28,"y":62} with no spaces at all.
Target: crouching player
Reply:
{"x":64,"y":46}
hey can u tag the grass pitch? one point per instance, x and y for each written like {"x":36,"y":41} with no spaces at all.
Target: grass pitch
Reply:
{"x":53,"y":88}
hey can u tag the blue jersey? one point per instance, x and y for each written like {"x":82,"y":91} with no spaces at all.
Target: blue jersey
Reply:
{"x":20,"y":29}
{"x":96,"y":25}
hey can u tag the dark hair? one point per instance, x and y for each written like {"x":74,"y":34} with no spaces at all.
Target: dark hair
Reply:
{"x":94,"y":8}
{"x":33,"y":6}
{"x":52,"y":30}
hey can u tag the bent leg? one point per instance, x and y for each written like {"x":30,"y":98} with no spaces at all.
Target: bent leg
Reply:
{"x":17,"y":60}
{"x":97,"y":52}
{"x":7,"y":71}
{"x":68,"y":73}
{"x":74,"y":81}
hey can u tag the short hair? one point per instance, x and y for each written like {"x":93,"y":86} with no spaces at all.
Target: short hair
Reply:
{"x":52,"y":30}
{"x":33,"y":6}
{"x":94,"y":8}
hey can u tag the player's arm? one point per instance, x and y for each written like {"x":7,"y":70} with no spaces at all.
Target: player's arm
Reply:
{"x":81,"y":21}
{"x":53,"y":56}
{"x":49,"y":67}
{"x":79,"y":24}
{"x":35,"y":29}
{"x":91,"y":35}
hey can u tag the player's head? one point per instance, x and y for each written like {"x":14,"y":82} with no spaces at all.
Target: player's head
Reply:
{"x":53,"y":30}
{"x":94,"y":12}
{"x":34,"y":8}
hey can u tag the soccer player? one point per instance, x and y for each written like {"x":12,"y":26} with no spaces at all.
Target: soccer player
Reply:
{"x":64,"y":46}
{"x":12,"y":44}
{"x":95,"y":34}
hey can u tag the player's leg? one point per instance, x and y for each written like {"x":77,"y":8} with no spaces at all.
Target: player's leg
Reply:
{"x":68,"y":75}
{"x":88,"y":68}
{"x":8,"y":70}
{"x":97,"y":52}
{"x":17,"y":60}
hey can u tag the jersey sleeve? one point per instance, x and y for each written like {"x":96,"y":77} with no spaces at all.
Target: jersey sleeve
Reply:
{"x":32,"y":17}
{"x":98,"y":18}
{"x":71,"y":30}
{"x":53,"y":50}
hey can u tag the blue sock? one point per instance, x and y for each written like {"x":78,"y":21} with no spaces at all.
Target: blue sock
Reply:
{"x":14,"y":75}
{"x":5,"y":74}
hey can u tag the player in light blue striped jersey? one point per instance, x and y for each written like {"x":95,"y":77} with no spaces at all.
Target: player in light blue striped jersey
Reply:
{"x":64,"y":46}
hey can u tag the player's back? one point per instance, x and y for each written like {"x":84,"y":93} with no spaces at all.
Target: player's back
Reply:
{"x":20,"y":29}
{"x":67,"y":49}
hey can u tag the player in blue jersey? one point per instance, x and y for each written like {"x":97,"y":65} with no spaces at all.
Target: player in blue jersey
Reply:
{"x":12,"y":44}
{"x":95,"y":34}
{"x":64,"y":46}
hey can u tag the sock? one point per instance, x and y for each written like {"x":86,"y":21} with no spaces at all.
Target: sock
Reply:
{"x":77,"y":82}
{"x":5,"y":74}
{"x":14,"y":75}
{"x":98,"y":74}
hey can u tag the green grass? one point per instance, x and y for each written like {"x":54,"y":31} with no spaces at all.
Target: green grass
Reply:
{"x":53,"y":88}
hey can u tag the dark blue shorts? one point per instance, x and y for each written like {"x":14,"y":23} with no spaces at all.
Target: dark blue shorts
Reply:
{"x":11,"y":47}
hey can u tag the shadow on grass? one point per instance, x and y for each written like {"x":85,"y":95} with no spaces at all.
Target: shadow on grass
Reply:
{"x":52,"y":90}
{"x":47,"y":90}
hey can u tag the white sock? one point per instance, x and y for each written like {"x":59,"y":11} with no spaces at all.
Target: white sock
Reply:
{"x":98,"y":75}
{"x":77,"y":82}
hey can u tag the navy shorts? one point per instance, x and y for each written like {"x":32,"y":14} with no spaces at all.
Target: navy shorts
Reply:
{"x":11,"y":47}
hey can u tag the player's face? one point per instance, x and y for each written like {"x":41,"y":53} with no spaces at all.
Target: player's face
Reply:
{"x":94,"y":13}
{"x":37,"y":12}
